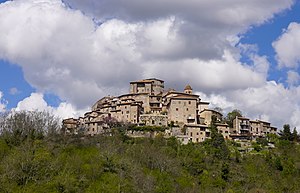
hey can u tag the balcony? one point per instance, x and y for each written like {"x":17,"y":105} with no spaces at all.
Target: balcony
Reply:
{"x":244,"y":124}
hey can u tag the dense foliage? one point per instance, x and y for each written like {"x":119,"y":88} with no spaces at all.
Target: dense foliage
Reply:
{"x":43,"y":161}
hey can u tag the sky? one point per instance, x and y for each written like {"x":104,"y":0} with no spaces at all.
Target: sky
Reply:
{"x":64,"y":55}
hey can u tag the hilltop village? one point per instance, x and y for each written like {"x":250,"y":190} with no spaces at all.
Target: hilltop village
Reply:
{"x":182,"y":114}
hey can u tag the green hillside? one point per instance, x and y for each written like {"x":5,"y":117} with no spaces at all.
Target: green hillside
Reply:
{"x":34,"y":157}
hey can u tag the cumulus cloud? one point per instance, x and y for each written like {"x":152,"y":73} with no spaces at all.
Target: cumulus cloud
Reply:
{"x":62,"y":50}
{"x":293,"y":78}
{"x":205,"y":26}
{"x":3,"y":103}
{"x":270,"y":102}
{"x":287,"y":47}
{"x":231,"y":12}
{"x":36,"y":102}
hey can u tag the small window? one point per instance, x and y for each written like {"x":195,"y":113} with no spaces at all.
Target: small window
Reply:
{"x":176,"y":109}
{"x":189,"y":102}
{"x":197,"y":133}
{"x":191,"y":134}
{"x":187,"y":109}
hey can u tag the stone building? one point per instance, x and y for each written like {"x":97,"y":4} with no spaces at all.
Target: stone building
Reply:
{"x":147,"y":103}
{"x":224,"y":129}
{"x":259,"y":128}
{"x":197,"y":133}
{"x":244,"y":128}
{"x":209,"y":114}
{"x":70,"y":126}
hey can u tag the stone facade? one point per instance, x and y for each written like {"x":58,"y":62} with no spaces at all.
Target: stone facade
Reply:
{"x":154,"y":120}
{"x":147,"y":103}
{"x":224,"y":129}
{"x":209,"y":114}
{"x":246,"y":128}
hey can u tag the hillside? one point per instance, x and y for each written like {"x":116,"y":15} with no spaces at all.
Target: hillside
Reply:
{"x":34,"y":157}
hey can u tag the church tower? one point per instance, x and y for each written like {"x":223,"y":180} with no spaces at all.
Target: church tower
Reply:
{"x":188,"y":89}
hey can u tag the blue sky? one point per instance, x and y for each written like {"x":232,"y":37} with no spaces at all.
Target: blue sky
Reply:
{"x":54,"y":56}
{"x":265,"y":34}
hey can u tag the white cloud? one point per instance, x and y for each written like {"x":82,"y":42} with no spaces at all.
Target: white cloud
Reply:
{"x":231,"y":12}
{"x":271,"y":102}
{"x":3,"y":103}
{"x":63,"y":51}
{"x":293,"y":78}
{"x":36,"y":102}
{"x":207,"y":76}
{"x":287,"y":46}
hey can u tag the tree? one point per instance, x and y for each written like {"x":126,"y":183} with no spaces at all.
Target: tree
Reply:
{"x":286,"y":133}
{"x":218,"y":109}
{"x":17,"y":127}
{"x":218,"y":144}
{"x":231,"y":116}
{"x":295,"y":135}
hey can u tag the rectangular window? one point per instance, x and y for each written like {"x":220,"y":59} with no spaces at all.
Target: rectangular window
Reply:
{"x":191,"y":134}
{"x":189,"y":102}
{"x":176,"y":109}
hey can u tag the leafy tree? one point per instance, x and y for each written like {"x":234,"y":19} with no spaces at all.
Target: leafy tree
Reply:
{"x":18,"y":127}
{"x":286,"y":133}
{"x":231,"y":116}
{"x":262,"y":141}
{"x":218,"y":144}
{"x":295,"y":135}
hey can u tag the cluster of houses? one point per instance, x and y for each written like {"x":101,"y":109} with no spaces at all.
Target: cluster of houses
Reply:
{"x":184,"y":115}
